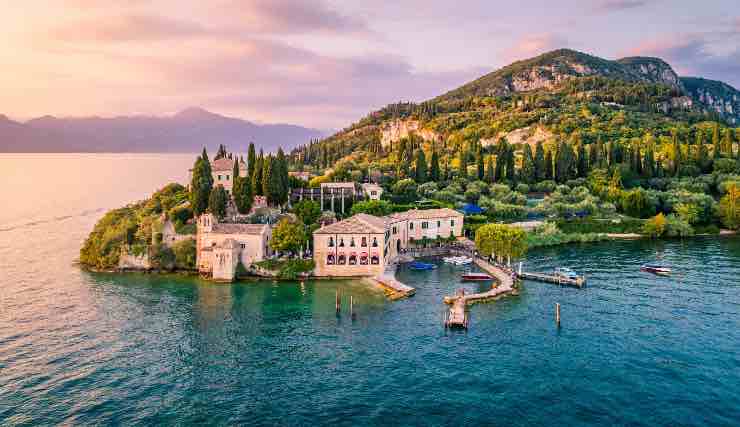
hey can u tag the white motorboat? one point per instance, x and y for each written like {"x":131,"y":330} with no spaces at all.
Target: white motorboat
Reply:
{"x":458,"y":260}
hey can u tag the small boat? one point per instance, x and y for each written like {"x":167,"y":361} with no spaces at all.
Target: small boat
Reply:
{"x":416,"y":265}
{"x":458,"y":260}
{"x":660,"y":270}
{"x":566,"y":273}
{"x":476,"y":277}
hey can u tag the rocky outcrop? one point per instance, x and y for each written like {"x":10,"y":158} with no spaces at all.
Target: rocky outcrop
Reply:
{"x":394,"y":130}
{"x":714,"y":96}
{"x":131,"y":261}
{"x":529,"y":135}
{"x":653,"y":70}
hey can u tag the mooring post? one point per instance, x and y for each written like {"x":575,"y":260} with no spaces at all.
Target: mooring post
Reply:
{"x":338,"y":306}
{"x":557,"y":313}
{"x":520,"y":268}
{"x":351,"y":307}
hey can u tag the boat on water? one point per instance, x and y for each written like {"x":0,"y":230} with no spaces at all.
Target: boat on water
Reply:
{"x":566,"y":273}
{"x":660,"y":270}
{"x":416,"y":265}
{"x":476,"y":277}
{"x":458,"y":260}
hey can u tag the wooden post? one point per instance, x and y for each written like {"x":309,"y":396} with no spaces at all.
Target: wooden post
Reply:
{"x":520,"y":268}
{"x":351,"y":307}
{"x":338,"y":305}
{"x":557,"y":313}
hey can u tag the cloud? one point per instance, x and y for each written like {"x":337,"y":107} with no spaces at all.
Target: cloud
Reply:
{"x":618,"y":5}
{"x":127,"y":28}
{"x":291,"y":17}
{"x":533,"y":45}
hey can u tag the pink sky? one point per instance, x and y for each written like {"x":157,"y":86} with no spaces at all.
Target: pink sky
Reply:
{"x":321,"y":63}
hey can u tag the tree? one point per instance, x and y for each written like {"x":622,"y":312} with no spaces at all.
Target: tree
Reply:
{"x":271,"y":181}
{"x":308,"y":211}
{"x":510,"y":168}
{"x":539,"y":162}
{"x":251,"y":160}
{"x":288,"y":236}
{"x":582,"y":165}
{"x":217,"y":201}
{"x":688,"y":212}
{"x":501,"y":240}
{"x":490,"y":172}
{"x":727,"y":142}
{"x":434,"y":172}
{"x":655,"y":226}
{"x":463,"y":163}
{"x":372,"y":207}
{"x":201,"y":184}
{"x":676,"y":154}
{"x":221,"y":153}
{"x":716,"y":147}
{"x":236,"y":183}
{"x":729,"y":207}
{"x":257,"y":186}
{"x":635,"y":203}
{"x":242,"y":192}
{"x":528,"y":167}
{"x":282,"y":184}
{"x":480,"y":164}
{"x":549,"y":172}
{"x":421,"y":166}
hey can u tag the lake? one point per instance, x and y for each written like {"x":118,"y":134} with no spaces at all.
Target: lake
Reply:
{"x":81,"y":348}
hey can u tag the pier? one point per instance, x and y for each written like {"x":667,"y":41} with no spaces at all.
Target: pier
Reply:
{"x":456,"y":316}
{"x":578,"y":282}
{"x":394,"y":288}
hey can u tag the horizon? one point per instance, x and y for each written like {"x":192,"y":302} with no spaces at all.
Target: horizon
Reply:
{"x":322,"y":65}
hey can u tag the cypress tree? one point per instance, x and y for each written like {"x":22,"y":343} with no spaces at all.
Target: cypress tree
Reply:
{"x":257,"y":178}
{"x":217,"y":201}
{"x":582,"y":165}
{"x":283,"y":182}
{"x":236,"y":183}
{"x":727,"y":142}
{"x":601,"y":163}
{"x":717,"y":149}
{"x":649,"y":170}
{"x":593,"y":156}
{"x":268,"y":186}
{"x":463,"y":163}
{"x":481,"y":165}
{"x":201,"y":184}
{"x":510,"y":168}
{"x":421,"y":166}
{"x":490,"y":172}
{"x":527,"y":172}
{"x":434,"y":173}
{"x":251,"y":159}
{"x":539,"y":162}
{"x":676,"y":154}
{"x":549,"y":172}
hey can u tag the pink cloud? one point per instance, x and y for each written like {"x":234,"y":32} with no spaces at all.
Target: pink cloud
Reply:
{"x":533,"y":45}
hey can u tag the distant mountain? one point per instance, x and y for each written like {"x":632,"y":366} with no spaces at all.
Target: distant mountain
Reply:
{"x":187,"y":131}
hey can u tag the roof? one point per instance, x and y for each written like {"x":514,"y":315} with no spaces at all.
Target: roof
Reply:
{"x":227,"y":244}
{"x":357,"y":224}
{"x":338,"y":185}
{"x":225,"y":164}
{"x":228,"y":228}
{"x":425,"y":214}
{"x":370,"y":186}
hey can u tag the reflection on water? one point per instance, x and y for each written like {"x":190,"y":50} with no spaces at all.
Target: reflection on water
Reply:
{"x":633,"y":349}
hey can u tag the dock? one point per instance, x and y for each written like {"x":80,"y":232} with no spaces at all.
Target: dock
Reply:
{"x":456,"y":317}
{"x":578,"y":282}
{"x":394,"y":288}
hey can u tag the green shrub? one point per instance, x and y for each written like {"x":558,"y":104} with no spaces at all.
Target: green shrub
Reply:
{"x":184,"y":252}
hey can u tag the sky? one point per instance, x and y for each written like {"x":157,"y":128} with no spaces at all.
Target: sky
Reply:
{"x":321,"y":63}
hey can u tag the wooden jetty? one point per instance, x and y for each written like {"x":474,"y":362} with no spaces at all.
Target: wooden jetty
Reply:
{"x":578,"y":282}
{"x":456,"y":315}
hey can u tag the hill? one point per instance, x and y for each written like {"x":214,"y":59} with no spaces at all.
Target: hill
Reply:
{"x":187,"y":131}
{"x":563,"y":95}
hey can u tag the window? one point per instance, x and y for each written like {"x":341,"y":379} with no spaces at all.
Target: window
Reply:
{"x":331,"y":242}
{"x":411,"y":225}
{"x":439,"y":224}
{"x":452,"y":223}
{"x":227,"y":177}
{"x":353,"y":259}
{"x":395,"y":230}
{"x":342,"y":259}
{"x":375,"y":242}
{"x":341,"y":242}
{"x":352,"y":242}
{"x":374,"y":260}
{"x":363,"y":242}
{"x":424,"y":225}
{"x":330,"y":259}
{"x":244,"y":246}
{"x":363,"y":258}
{"x":373,"y":193}
{"x":219,"y":177}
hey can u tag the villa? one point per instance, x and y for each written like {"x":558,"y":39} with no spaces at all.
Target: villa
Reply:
{"x":363,"y":244}
{"x":223,"y":168}
{"x":372,"y":191}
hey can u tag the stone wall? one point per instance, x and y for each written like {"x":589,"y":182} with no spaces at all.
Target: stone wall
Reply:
{"x":130,"y":261}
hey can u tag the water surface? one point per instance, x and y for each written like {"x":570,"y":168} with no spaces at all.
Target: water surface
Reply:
{"x":81,"y":348}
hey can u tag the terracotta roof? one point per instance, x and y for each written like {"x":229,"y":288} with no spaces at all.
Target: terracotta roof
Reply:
{"x":338,"y":184}
{"x":225,"y":164}
{"x":358,"y":224}
{"x":228,"y":228}
{"x":425,"y":214}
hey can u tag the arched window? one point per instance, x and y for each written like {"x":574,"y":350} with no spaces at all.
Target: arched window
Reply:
{"x":331,"y":242}
{"x":363,"y":258}
{"x":375,"y":259}
{"x":375,"y":242}
{"x":352,"y":242}
{"x":353,"y":259}
{"x":363,"y":242}
{"x":341,"y":242}
{"x":342,"y":259}
{"x":330,"y":259}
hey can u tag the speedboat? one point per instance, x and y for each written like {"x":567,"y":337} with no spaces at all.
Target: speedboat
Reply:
{"x":476,"y":277}
{"x":416,"y":265}
{"x":660,"y":270}
{"x":458,"y":260}
{"x":566,"y":273}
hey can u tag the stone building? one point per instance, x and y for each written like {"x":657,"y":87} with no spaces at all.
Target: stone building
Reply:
{"x":372,"y":191}
{"x":363,"y":244}
{"x":220,"y":247}
{"x":222,"y":169}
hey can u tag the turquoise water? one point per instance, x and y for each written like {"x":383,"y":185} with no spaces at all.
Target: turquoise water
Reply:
{"x":632,"y":349}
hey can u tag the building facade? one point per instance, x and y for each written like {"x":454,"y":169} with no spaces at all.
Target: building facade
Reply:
{"x":222,"y":170}
{"x":372,"y":191}
{"x":363,"y":244}
{"x":220,"y":247}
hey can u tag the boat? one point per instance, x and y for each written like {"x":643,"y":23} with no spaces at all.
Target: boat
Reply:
{"x":458,"y":260}
{"x":476,"y":277}
{"x":660,"y":270}
{"x":416,"y":265}
{"x":566,"y":273}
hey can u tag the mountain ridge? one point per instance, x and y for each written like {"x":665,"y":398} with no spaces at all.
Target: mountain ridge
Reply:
{"x":188,"y":130}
